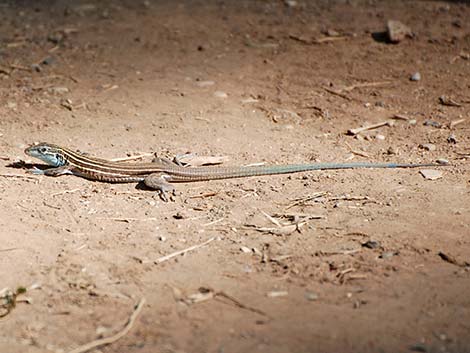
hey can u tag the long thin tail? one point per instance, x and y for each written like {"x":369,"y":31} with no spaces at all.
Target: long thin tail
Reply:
{"x":212,"y":173}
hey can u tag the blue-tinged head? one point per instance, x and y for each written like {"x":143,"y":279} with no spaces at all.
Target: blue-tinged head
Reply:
{"x":48,"y":153}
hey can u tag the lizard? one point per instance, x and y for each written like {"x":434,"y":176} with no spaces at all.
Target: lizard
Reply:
{"x":159,"y":174}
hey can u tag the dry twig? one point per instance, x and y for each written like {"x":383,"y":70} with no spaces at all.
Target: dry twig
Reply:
{"x":370,"y":127}
{"x":364,"y":85}
{"x":181,"y":252}
{"x":454,"y":123}
{"x":205,"y":293}
{"x":337,"y":93}
{"x":450,"y":259}
{"x":303,"y":200}
{"x":131,"y":158}
{"x":22,"y":176}
{"x":108,"y":340}
{"x":65,"y":192}
{"x":356,"y":152}
{"x":238,"y":303}
{"x":329,"y":39}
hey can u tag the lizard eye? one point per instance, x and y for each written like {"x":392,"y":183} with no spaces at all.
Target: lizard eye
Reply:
{"x":42,"y":149}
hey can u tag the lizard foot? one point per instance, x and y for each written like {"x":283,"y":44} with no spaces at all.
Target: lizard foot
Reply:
{"x":158,"y":182}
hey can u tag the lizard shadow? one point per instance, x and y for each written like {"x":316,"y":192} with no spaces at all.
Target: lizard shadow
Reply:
{"x":27,"y":166}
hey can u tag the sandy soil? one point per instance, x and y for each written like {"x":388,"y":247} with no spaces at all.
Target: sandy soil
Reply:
{"x":386,"y":267}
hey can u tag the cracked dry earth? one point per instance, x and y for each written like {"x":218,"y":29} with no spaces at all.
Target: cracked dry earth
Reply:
{"x":329,"y":261}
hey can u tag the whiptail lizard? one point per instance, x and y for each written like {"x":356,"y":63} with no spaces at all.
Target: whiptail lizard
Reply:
{"x":159,"y":174}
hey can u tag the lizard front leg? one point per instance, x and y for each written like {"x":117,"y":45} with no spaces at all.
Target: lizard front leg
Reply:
{"x":54,"y":172}
{"x":159,"y":182}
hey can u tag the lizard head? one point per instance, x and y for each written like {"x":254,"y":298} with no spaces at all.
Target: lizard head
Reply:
{"x":48,"y":153}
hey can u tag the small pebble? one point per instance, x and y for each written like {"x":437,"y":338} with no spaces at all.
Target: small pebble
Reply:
{"x":397,"y":31}
{"x":332,"y":33}
{"x":415,"y":77}
{"x":290,"y":3}
{"x":58,"y":90}
{"x":249,"y":100}
{"x":443,"y":161}
{"x":48,"y":61}
{"x":220,"y":94}
{"x":392,"y":150}
{"x":276,"y":294}
{"x":428,"y":147}
{"x":387,"y":255}
{"x":431,"y":174}
{"x":101,"y":330}
{"x":432,"y":123}
{"x":205,"y":83}
{"x":412,"y":122}
{"x":371,"y":244}
{"x":178,"y":215}
{"x":311,"y":296}
{"x":452,"y":139}
{"x":419,"y":347}
{"x":36,"y":67}
{"x":359,"y":137}
{"x":245,"y":249}
{"x":380,"y":137}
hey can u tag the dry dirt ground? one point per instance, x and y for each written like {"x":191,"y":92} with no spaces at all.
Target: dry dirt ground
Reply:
{"x":384,"y":269}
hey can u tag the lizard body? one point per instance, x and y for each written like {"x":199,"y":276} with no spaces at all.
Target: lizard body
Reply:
{"x":158,"y":175}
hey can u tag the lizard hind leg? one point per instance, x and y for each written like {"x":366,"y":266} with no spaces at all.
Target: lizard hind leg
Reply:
{"x":159,"y":182}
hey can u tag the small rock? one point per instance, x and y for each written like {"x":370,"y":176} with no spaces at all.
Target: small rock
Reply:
{"x":415,"y":77}
{"x":290,"y":3}
{"x":276,"y":294}
{"x":249,"y":100}
{"x":332,"y":33}
{"x":443,"y":161}
{"x":11,"y":105}
{"x":36,"y":67}
{"x":371,"y":244}
{"x":311,"y":296}
{"x":205,"y":83}
{"x":392,"y":150}
{"x":457,"y":23}
{"x":428,"y":147}
{"x":432,"y":123}
{"x":56,"y":38}
{"x":48,"y":61}
{"x":220,"y":94}
{"x":387,"y":254}
{"x":431,"y":174}
{"x":380,"y":137}
{"x":412,"y":122}
{"x":179,"y":215}
{"x":452,"y":139}
{"x":245,"y":249}
{"x":397,"y":31}
{"x":58,"y":90}
{"x":444,"y":100}
{"x":419,"y":347}
{"x":101,"y":330}
{"x":162,"y":238}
